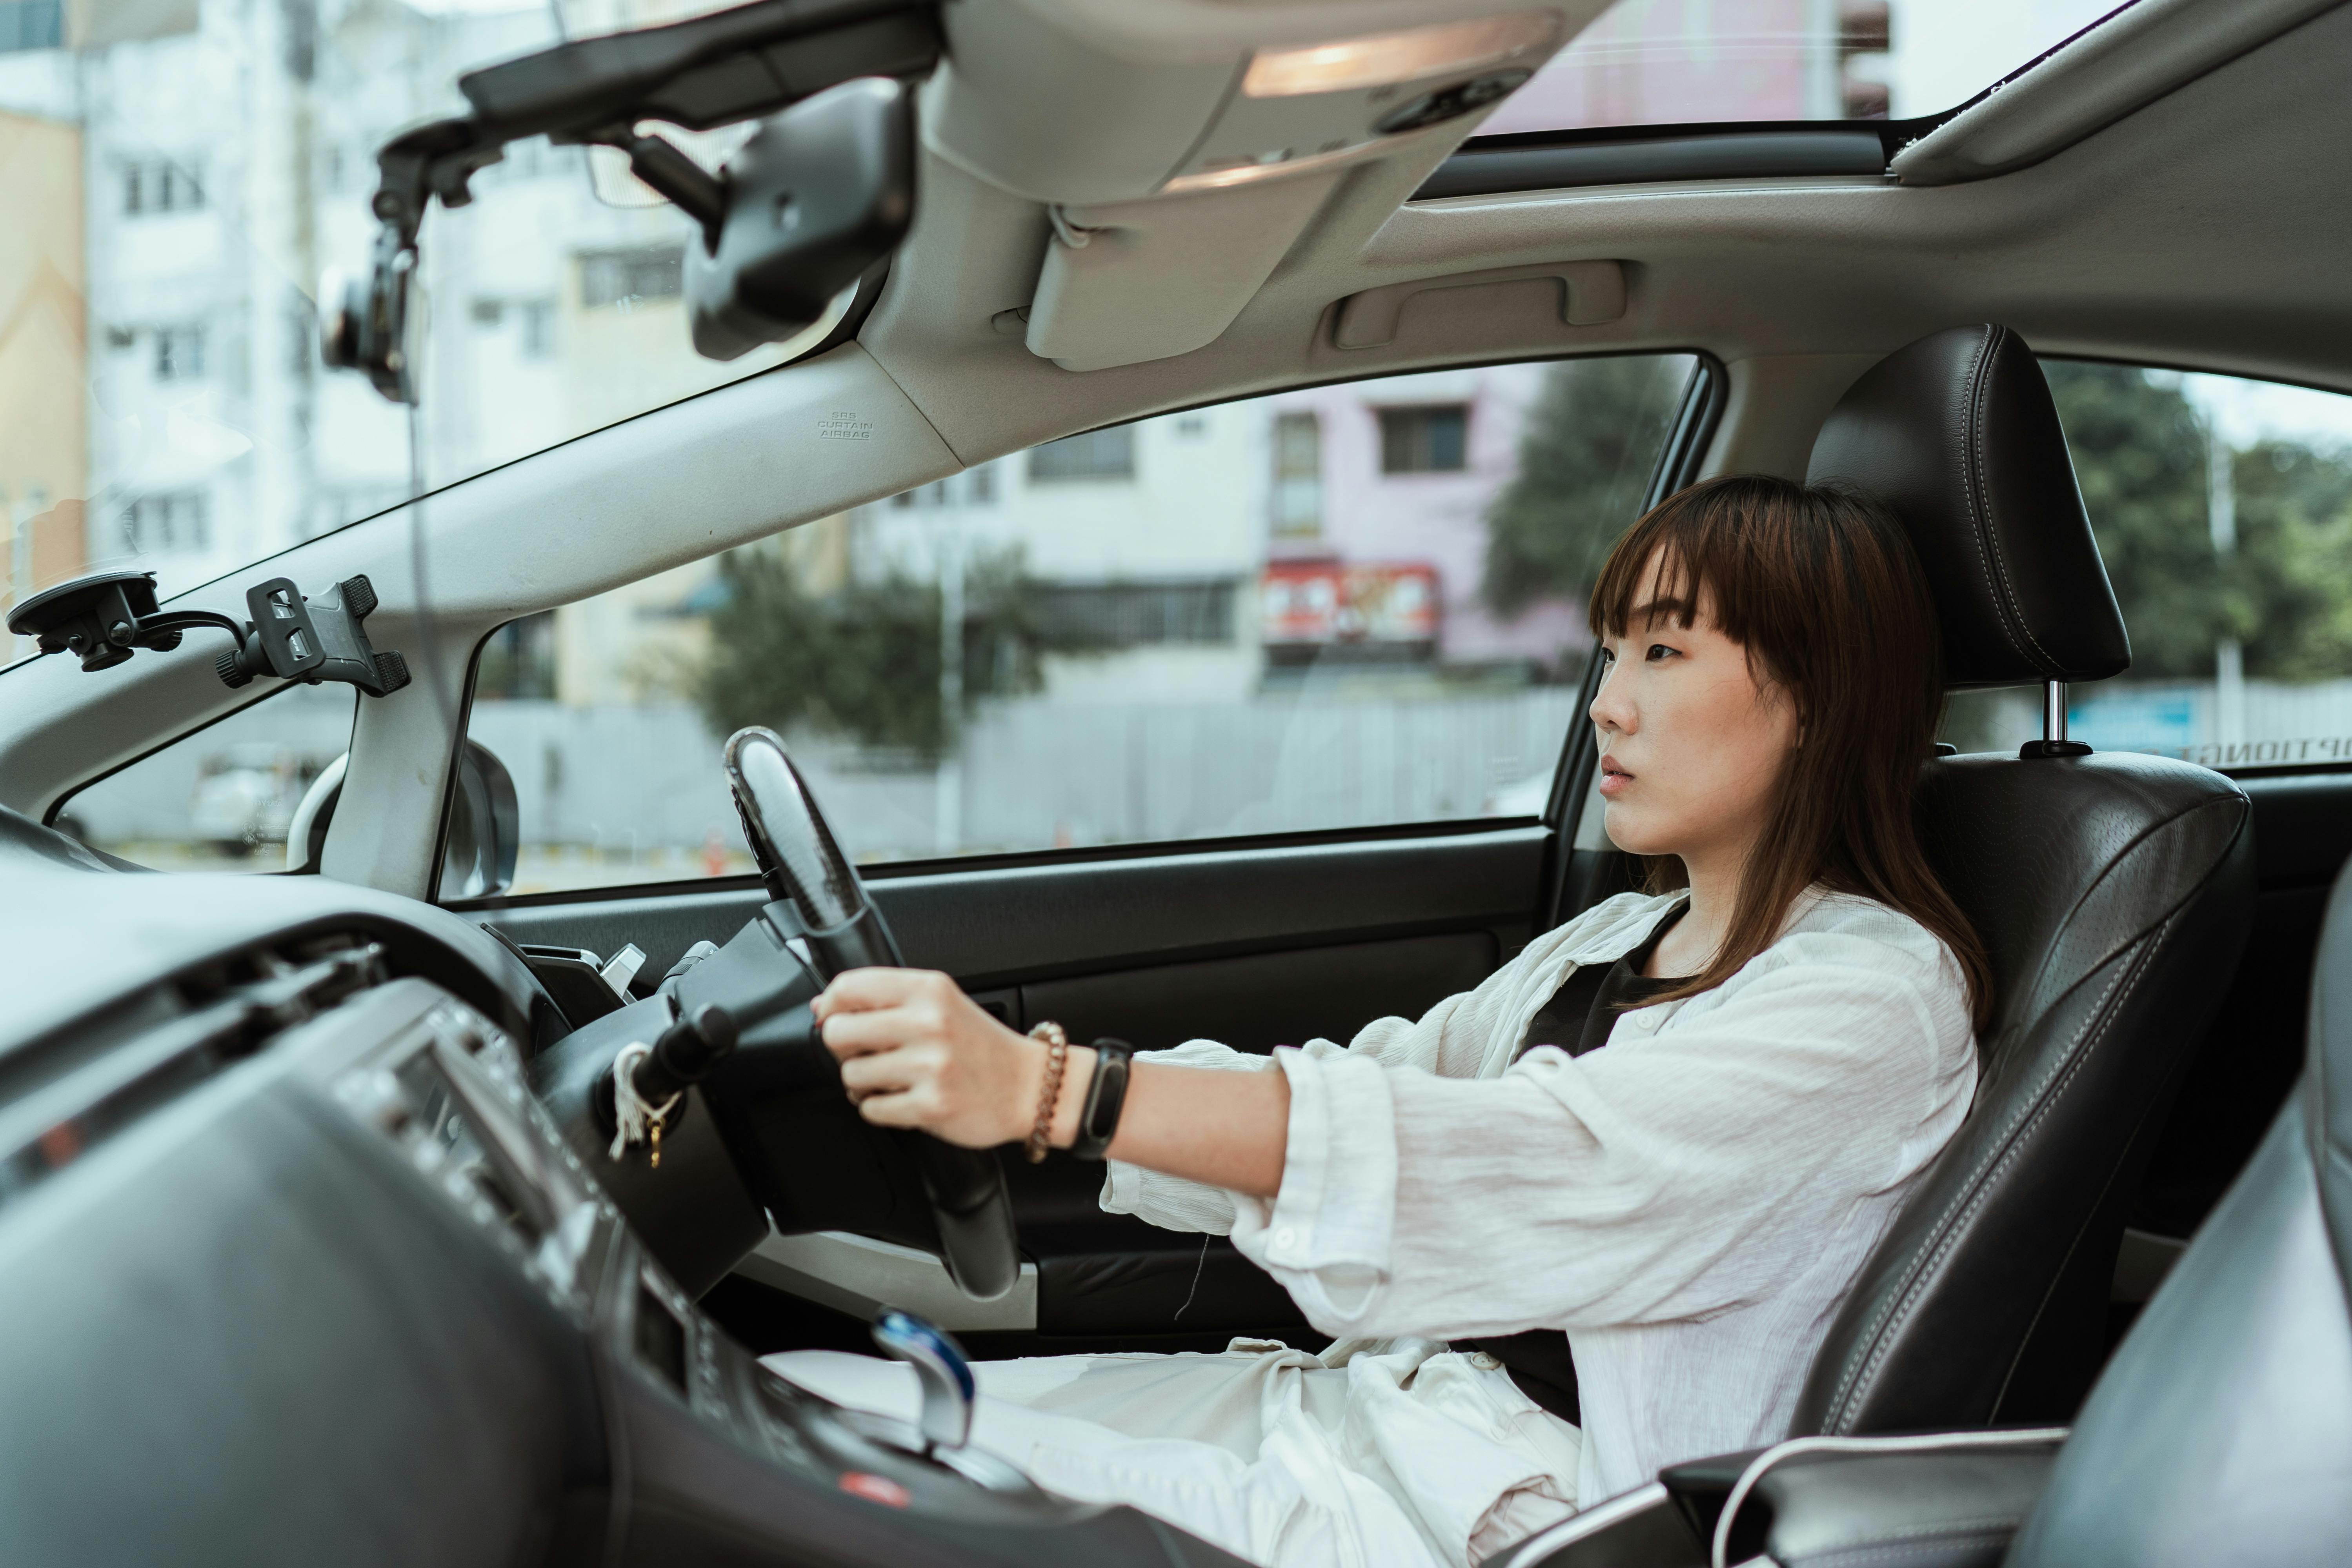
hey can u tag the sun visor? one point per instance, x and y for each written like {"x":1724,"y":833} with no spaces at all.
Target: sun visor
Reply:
{"x":1182,"y":146}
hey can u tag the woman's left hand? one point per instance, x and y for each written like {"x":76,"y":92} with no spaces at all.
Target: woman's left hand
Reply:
{"x":915,"y":1051}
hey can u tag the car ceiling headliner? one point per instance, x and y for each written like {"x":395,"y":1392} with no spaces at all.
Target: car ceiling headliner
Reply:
{"x":2206,"y":230}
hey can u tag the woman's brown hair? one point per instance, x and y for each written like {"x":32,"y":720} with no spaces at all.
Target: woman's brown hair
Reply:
{"x":1822,"y":590}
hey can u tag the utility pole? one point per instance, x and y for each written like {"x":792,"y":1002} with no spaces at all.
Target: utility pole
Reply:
{"x":2221,"y":519}
{"x":948,"y":796}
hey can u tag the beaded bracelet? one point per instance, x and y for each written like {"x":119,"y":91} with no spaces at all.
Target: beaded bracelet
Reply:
{"x":1057,"y":1056}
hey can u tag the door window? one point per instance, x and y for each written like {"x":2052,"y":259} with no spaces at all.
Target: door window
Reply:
{"x":1344,"y":606}
{"x":2223,"y":509}
{"x":229,"y":797}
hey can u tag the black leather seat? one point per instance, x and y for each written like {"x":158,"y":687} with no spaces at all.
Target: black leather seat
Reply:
{"x":2113,"y":890}
{"x":2222,"y":1430}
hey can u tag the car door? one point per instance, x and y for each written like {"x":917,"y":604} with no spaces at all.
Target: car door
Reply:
{"x":1257,"y":729}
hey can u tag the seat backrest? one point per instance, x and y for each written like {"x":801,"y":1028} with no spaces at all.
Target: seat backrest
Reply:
{"x":2221,"y":1432}
{"x":2112,"y":892}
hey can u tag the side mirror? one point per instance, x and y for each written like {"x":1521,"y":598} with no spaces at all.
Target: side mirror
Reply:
{"x":305,"y":836}
{"x":484,"y":836}
{"x":478,"y":855}
{"x":820,"y":194}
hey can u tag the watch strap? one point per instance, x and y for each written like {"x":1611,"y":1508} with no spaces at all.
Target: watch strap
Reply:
{"x":1106,"y":1097}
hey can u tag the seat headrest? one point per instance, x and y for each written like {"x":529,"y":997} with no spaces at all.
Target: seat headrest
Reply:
{"x":1958,"y":436}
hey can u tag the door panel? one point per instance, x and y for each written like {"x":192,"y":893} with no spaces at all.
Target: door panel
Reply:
{"x":1254,"y":946}
{"x":1259,"y":1001}
{"x":1020,"y":923}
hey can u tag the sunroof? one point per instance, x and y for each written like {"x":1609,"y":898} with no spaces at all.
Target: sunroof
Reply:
{"x":1681,"y":62}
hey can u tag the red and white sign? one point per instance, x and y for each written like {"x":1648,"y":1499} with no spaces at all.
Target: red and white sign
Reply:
{"x":1312,"y":602}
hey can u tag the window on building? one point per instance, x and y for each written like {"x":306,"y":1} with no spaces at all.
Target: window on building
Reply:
{"x":179,"y":353}
{"x":159,"y":185}
{"x":2222,"y":508}
{"x":1432,"y":438}
{"x":518,"y":661}
{"x":538,"y":329}
{"x":31,"y":25}
{"x":615,"y":276}
{"x":1128,"y":666}
{"x":170,"y":522}
{"x":1097,"y":455}
{"x":933,"y":494}
{"x":1138,"y":614}
{"x":1297,"y":475}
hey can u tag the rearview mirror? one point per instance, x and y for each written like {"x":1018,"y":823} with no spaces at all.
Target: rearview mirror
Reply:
{"x":818,"y":194}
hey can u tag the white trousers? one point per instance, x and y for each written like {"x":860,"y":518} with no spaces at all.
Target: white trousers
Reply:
{"x":1391,"y":1454}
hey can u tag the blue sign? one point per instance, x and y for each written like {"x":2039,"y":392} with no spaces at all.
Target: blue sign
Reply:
{"x":2135,"y":722}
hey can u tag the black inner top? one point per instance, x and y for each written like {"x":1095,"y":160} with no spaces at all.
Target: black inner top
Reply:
{"x":1578,"y":1019}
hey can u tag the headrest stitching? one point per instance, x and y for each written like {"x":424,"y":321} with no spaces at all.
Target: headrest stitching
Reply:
{"x":2005,"y":600}
{"x":1976,"y":537}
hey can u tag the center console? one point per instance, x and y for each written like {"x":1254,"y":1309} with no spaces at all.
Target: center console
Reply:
{"x":711,"y":1457}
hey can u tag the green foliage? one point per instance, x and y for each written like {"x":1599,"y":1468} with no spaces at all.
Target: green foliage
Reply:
{"x":2294,"y":536}
{"x":864,"y":660}
{"x":2286,"y":592}
{"x":1585,"y":458}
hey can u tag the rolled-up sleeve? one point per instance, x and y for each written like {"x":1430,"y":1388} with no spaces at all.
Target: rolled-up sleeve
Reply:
{"x":1447,"y":1038}
{"x":1671,"y":1175}
{"x":1326,"y":1233}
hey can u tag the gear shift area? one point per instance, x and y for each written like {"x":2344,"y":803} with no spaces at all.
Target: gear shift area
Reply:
{"x":939,"y":1365}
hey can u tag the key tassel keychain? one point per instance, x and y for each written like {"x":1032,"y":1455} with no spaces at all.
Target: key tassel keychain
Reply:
{"x":634,"y":1119}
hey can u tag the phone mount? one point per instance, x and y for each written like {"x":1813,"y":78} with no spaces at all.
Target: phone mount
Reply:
{"x":779,"y":232}
{"x":102,"y":619}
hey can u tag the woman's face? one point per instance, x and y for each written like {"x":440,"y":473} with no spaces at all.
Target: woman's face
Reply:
{"x":1690,"y":744}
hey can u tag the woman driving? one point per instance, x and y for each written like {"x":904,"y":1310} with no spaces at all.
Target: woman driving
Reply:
{"x":1591,"y":1218}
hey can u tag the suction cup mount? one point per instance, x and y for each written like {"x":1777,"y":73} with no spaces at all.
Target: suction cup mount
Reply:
{"x":103,"y":618}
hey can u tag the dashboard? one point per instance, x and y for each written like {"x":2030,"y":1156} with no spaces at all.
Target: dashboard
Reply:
{"x":297,"y":1268}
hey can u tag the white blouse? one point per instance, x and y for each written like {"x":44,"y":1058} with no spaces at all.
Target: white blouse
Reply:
{"x":1691,"y":1203}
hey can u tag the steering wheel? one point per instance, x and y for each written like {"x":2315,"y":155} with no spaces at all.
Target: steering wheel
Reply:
{"x":803,"y":865}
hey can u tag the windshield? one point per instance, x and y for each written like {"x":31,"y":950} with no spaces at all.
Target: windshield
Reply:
{"x":177,"y":177}
{"x":1681,"y":62}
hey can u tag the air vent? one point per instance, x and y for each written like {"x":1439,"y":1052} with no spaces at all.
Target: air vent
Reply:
{"x":63,"y":1097}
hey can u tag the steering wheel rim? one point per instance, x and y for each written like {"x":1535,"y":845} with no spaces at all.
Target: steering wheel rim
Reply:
{"x":802,"y":862}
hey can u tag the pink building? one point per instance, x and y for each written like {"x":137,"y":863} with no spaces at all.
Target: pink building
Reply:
{"x":1681,"y":62}
{"x":1379,"y":503}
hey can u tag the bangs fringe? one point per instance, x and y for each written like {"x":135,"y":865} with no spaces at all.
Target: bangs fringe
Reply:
{"x":1823,"y":592}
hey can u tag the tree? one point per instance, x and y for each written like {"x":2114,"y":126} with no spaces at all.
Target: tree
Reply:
{"x":2284,"y":591}
{"x":1585,"y":458}
{"x":2139,"y":453}
{"x":2294,"y":543}
{"x":864,"y":660}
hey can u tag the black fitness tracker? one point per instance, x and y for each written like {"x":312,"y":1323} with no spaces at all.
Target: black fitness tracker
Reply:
{"x":1104,"y":1095}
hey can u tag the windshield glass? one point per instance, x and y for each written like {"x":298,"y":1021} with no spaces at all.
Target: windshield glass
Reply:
{"x":1683,"y":62}
{"x":178,"y":176}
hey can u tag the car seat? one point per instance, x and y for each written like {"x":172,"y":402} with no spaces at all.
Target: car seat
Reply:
{"x":2221,"y":1432}
{"x":2113,"y":891}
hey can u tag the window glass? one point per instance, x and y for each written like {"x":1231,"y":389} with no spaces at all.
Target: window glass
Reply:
{"x":1664,"y":62}
{"x":1340,"y":606}
{"x":226,"y":798}
{"x":178,"y":178}
{"x":2223,"y":509}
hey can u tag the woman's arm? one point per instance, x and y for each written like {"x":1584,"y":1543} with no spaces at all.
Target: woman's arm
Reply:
{"x":915,"y":1051}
